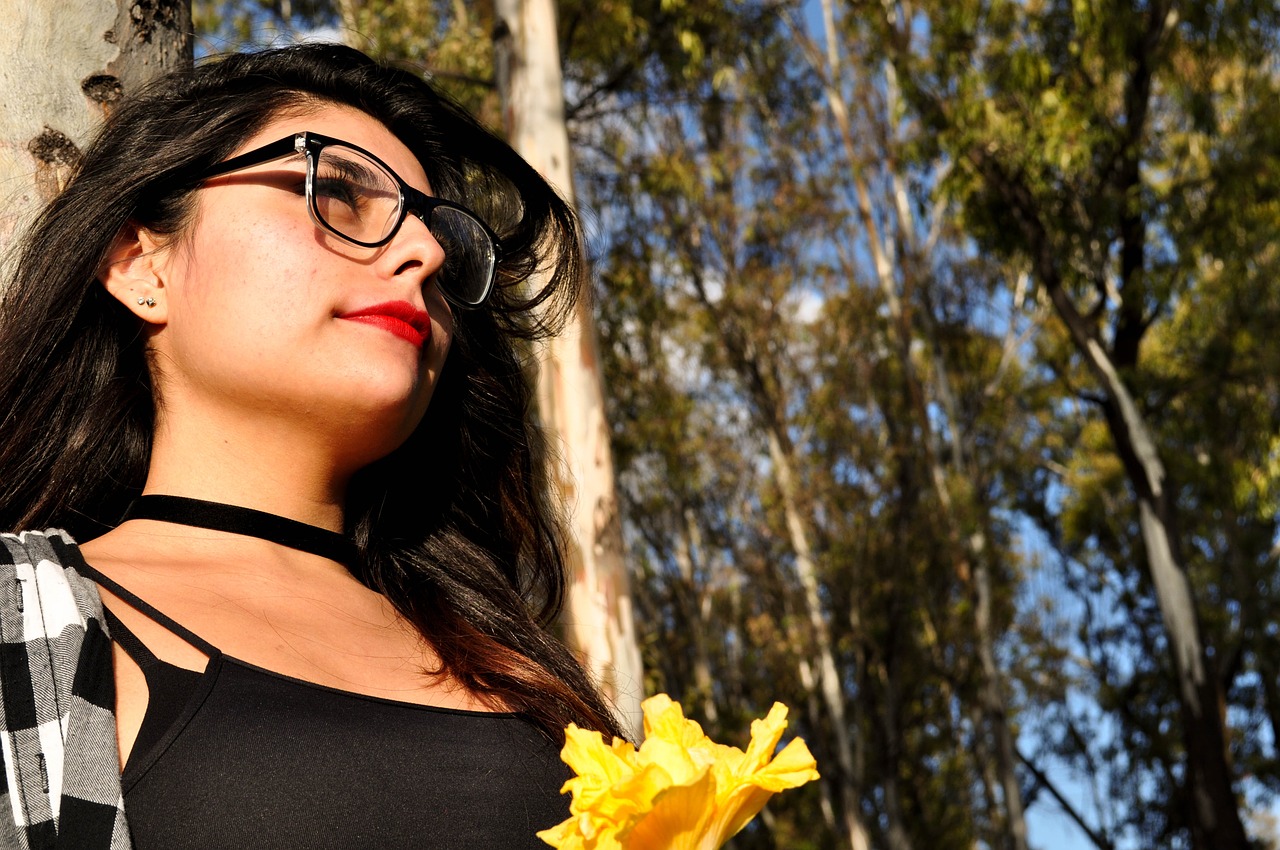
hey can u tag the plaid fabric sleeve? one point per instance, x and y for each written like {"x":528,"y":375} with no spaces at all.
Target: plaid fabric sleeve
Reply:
{"x":60,"y":786}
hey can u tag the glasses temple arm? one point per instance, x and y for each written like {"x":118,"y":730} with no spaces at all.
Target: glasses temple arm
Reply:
{"x":266,"y":153}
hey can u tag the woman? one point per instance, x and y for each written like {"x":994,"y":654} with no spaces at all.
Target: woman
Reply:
{"x":262,"y":358}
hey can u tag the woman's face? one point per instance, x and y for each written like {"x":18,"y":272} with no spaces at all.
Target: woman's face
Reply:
{"x":265,"y":315}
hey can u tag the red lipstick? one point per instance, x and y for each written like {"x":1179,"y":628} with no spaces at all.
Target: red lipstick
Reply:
{"x":398,"y":317}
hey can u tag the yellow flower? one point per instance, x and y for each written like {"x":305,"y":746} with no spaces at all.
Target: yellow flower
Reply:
{"x":680,"y":790}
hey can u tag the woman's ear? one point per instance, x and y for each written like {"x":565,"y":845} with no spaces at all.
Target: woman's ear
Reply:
{"x":134,"y":273}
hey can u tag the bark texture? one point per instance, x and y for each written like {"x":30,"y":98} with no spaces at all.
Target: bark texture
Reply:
{"x":62,"y":67}
{"x":598,"y":619}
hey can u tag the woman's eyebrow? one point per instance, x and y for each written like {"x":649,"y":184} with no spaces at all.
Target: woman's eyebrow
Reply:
{"x":350,"y":169}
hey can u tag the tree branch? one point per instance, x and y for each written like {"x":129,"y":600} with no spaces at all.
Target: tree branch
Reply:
{"x":1099,"y":840}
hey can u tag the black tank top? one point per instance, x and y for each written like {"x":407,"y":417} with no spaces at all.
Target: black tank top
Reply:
{"x":240,"y":757}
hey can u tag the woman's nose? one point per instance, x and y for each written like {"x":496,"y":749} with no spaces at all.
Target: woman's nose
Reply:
{"x":415,"y":248}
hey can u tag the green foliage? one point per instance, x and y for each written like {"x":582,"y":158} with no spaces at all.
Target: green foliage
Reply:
{"x":448,"y":41}
{"x":729,"y":303}
{"x":945,"y":433}
{"x":1126,"y":152}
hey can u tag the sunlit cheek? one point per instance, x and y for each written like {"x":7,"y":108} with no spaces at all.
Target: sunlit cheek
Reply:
{"x":441,"y":338}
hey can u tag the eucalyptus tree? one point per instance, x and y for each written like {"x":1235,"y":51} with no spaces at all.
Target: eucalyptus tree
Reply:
{"x":63,"y":67}
{"x":747,"y":212}
{"x":1123,"y":153}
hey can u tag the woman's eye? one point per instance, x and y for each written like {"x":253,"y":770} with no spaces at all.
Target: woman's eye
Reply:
{"x":337,"y":189}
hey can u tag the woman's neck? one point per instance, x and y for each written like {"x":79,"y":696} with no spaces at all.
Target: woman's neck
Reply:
{"x":286,"y":476}
{"x":247,"y":522}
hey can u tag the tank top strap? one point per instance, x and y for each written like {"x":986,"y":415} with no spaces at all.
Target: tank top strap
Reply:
{"x":133,"y":647}
{"x":151,"y":612}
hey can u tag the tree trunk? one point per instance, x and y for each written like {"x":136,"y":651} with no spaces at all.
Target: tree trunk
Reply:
{"x":782,"y":454}
{"x":897,"y":836}
{"x":1215,"y":813}
{"x":598,"y":618}
{"x":696,"y":605}
{"x":902,"y":329}
{"x":768,"y":403}
{"x":62,"y":67}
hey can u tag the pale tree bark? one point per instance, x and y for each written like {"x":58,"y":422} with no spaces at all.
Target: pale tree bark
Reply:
{"x":1216,"y":822}
{"x":697,"y":609}
{"x":349,"y":15}
{"x":62,"y":67}
{"x":1213,"y":806}
{"x":881,"y":245}
{"x":598,"y":619}
{"x":782,"y":455}
{"x":769,"y":405}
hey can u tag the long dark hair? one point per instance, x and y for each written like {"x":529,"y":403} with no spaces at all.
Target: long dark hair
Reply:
{"x":454,"y":527}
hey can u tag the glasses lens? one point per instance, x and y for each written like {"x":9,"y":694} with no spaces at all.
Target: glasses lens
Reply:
{"x":355,"y":195}
{"x":469,"y":255}
{"x":358,"y":198}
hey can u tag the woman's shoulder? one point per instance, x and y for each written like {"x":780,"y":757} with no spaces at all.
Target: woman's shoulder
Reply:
{"x":57,"y":690}
{"x":30,"y":547}
{"x":42,"y":574}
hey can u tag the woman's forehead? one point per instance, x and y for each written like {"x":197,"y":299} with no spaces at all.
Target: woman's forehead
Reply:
{"x":349,"y":125}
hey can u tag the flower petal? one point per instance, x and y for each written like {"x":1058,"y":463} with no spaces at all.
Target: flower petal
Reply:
{"x":765,"y":735}
{"x":791,"y":768}
{"x":680,"y":790}
{"x":664,"y":719}
{"x":746,"y":784}
{"x":564,"y":836}
{"x":679,"y":818}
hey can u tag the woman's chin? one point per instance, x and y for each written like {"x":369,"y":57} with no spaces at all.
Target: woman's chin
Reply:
{"x":374,"y":432}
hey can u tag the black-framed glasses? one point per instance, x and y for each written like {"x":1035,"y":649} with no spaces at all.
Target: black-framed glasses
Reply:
{"x":357,"y":197}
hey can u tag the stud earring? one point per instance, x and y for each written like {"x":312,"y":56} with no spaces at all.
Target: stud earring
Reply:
{"x":150,"y":302}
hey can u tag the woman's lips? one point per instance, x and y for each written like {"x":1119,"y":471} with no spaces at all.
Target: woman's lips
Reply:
{"x":397,"y":317}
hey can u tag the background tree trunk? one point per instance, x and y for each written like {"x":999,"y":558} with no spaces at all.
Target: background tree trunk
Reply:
{"x":64,"y":65}
{"x":981,"y":553}
{"x":598,"y":619}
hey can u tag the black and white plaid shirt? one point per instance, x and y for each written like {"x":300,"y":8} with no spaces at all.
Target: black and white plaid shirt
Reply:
{"x":61,"y":781}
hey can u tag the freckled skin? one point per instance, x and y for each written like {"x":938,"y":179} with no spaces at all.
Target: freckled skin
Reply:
{"x":270,"y":399}
{"x":253,"y":299}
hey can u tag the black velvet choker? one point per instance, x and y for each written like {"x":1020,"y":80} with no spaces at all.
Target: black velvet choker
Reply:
{"x":246,"y":521}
